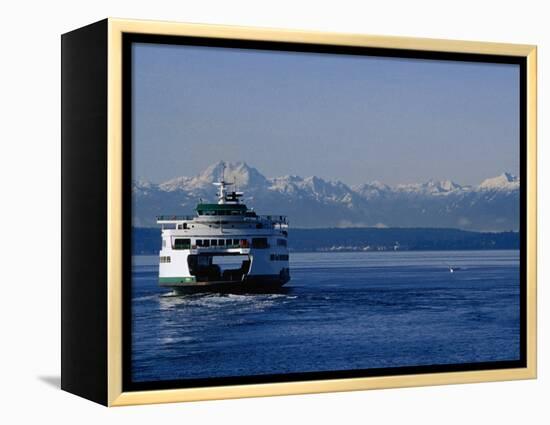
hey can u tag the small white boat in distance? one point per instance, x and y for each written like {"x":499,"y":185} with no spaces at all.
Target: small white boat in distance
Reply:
{"x":453,"y":269}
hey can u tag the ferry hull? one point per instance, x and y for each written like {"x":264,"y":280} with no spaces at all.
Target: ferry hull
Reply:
{"x":255,"y":283}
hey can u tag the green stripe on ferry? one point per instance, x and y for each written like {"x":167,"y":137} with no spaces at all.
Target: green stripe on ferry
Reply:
{"x":221,"y":207}
{"x":190,"y":279}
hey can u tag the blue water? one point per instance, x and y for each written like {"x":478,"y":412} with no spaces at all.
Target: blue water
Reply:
{"x":340,"y":311}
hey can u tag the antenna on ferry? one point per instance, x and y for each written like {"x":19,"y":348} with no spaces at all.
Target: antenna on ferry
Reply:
{"x":221,"y":185}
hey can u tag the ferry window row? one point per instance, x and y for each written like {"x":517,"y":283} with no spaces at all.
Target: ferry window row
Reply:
{"x":166,"y":259}
{"x":257,"y":243}
{"x":206,"y":243}
{"x":228,"y":243}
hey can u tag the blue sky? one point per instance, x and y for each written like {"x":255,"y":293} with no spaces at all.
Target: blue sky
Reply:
{"x":348,"y":118}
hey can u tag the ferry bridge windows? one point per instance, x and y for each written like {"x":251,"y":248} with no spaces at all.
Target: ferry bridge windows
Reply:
{"x":165,"y":259}
{"x":235,"y":242}
{"x":214,"y":242}
{"x":281,"y":242}
{"x":182,"y":243}
{"x":199,"y":242}
{"x":260,"y":243}
{"x":221,"y":242}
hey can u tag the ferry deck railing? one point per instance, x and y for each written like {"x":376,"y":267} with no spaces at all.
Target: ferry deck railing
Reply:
{"x":273,"y":219}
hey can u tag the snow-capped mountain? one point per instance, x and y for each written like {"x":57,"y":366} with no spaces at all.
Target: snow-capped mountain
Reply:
{"x":431,"y":187}
{"x":315,"y":202}
{"x":505,"y":182}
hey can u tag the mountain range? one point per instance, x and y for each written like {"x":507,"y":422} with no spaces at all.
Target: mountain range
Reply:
{"x":313,"y":202}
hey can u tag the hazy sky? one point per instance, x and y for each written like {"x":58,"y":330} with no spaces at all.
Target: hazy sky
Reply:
{"x":348,"y":118}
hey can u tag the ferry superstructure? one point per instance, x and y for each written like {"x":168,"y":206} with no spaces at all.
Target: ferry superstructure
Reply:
{"x":225,"y":246}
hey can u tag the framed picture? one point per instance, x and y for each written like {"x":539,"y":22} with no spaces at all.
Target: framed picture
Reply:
{"x":251,"y":212}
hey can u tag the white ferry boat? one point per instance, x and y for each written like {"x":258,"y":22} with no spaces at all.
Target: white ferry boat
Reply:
{"x":224,"y":247}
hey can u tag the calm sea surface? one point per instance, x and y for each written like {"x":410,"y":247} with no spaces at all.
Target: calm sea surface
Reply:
{"x":339,"y":311}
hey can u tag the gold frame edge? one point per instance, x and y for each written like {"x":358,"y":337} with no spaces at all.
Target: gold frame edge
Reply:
{"x":116,"y":27}
{"x":114,"y":213}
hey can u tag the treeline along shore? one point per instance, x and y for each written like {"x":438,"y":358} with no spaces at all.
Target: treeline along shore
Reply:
{"x":146,"y":240}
